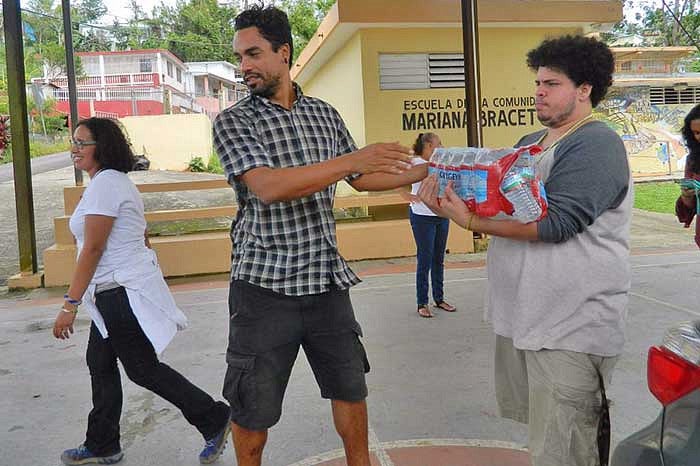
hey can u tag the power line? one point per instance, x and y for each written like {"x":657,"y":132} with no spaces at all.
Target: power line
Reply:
{"x":120,"y":27}
{"x":678,"y":21}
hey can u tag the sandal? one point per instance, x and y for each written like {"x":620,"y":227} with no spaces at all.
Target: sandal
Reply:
{"x":445,"y":306}
{"x":424,"y":311}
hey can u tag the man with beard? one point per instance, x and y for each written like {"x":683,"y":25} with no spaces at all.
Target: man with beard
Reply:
{"x":283,"y":153}
{"x":558,"y":288}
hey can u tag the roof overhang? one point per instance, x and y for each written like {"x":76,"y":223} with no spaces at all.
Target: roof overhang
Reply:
{"x":680,"y":82}
{"x":667,"y":53}
{"x":346,"y":17}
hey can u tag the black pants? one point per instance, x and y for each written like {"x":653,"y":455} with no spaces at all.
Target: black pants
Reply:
{"x":128,"y":343}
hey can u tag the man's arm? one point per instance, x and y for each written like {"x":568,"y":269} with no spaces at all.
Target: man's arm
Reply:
{"x":384,"y":181}
{"x":375,"y":160}
{"x":451,"y":206}
{"x":245,"y":158}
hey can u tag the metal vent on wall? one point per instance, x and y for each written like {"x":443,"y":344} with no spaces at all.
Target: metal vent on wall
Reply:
{"x":670,"y":95}
{"x":446,"y":69}
{"x":420,"y":70}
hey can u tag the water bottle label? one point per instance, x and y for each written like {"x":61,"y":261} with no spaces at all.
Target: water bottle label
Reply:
{"x":480,"y":185}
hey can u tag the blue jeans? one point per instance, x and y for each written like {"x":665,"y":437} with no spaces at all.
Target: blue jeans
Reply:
{"x":430,"y":233}
{"x":129,"y":344}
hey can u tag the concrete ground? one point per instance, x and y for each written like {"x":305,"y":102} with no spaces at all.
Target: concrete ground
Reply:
{"x":431,"y":396}
{"x":431,"y":391}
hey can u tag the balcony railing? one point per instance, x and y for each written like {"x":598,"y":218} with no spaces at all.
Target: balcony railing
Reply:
{"x":112,"y":94}
{"x":107,"y":80}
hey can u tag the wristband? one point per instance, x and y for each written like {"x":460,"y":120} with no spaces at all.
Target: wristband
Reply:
{"x":68,"y":311}
{"x":71,"y":301}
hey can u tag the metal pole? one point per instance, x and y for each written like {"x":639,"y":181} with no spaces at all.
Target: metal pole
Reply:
{"x":70,"y":72}
{"x":472,"y":86}
{"x":17,"y":94}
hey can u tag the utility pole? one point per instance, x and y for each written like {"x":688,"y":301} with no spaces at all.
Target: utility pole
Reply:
{"x":472,"y":81}
{"x":17,"y":94}
{"x":70,"y":71}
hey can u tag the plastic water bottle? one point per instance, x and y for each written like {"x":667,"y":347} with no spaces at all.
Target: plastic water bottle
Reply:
{"x":516,"y":189}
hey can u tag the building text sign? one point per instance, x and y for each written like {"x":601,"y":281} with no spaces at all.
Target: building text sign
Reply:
{"x":445,"y":113}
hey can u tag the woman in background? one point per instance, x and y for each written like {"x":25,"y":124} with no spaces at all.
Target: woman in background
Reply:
{"x":134,"y":316}
{"x":686,"y":205}
{"x":430,"y":233}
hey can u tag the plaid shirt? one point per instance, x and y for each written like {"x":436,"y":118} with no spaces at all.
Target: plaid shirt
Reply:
{"x":289,"y":246}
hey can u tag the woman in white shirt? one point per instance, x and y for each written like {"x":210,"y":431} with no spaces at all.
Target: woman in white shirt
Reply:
{"x":430,"y":233}
{"x":133,"y":314}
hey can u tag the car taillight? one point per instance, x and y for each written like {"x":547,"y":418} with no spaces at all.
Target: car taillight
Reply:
{"x":673,"y":369}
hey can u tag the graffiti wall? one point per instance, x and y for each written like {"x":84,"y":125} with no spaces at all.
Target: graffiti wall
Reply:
{"x":651,"y":133}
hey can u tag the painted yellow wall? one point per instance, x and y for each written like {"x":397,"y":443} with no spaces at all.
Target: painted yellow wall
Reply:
{"x":503,"y":75}
{"x":170,"y":141}
{"x":339,"y":82}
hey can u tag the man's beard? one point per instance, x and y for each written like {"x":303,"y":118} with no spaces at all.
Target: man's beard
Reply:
{"x":267,"y":87}
{"x":555,"y":121}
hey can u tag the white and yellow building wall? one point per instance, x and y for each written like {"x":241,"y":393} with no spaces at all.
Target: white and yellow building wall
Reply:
{"x":341,"y":64}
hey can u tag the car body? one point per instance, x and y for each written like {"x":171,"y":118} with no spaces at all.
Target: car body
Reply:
{"x":673,"y":376}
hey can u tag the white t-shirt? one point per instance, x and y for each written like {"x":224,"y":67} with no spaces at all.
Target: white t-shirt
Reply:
{"x":113,"y":194}
{"x":126,"y":260}
{"x":417,"y":207}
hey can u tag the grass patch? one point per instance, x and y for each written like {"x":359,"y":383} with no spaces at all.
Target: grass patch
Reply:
{"x":656,"y":197}
{"x":214,"y":165}
{"x":38,"y":148}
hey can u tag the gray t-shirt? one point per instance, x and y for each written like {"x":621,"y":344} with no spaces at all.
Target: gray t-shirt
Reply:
{"x":569,"y":290}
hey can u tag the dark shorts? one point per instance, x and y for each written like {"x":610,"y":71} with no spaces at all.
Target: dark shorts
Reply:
{"x":265,"y":332}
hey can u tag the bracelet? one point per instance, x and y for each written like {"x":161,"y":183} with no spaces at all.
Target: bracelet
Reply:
{"x":469,"y":223}
{"x":68,"y":311}
{"x":74,"y":302}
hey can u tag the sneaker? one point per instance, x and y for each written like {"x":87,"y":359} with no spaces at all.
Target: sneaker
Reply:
{"x":82,"y":455}
{"x":215,"y":445}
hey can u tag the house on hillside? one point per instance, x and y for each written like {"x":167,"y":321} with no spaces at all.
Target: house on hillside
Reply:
{"x":145,"y":82}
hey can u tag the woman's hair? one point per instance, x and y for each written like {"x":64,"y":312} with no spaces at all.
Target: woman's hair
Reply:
{"x":272,"y":24}
{"x":112,"y":149}
{"x":693,"y":159}
{"x":582,"y":59}
{"x":421,"y":140}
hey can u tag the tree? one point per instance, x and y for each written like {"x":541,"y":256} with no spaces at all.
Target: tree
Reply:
{"x":305,"y":17}
{"x":85,"y":16}
{"x":655,"y":25}
{"x":199,"y":30}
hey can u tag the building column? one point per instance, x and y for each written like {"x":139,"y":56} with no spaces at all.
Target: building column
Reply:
{"x":159,"y":67}
{"x":103,"y":81}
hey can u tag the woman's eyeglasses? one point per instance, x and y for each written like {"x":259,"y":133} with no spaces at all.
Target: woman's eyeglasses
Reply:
{"x":81,"y":144}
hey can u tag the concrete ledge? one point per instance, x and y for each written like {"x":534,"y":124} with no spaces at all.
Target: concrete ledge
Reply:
{"x":388,"y":235}
{"x":203,"y":253}
{"x":25,"y":281}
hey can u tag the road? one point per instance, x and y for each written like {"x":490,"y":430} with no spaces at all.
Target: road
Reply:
{"x":42,"y":164}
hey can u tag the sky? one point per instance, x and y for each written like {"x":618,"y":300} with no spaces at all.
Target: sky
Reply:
{"x":120,"y":8}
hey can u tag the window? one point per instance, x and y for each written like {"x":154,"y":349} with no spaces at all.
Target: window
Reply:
{"x":421,"y":71}
{"x":626,"y":66}
{"x":672,"y":95}
{"x":170,"y":69}
{"x":179,"y":75}
{"x":145,"y":65}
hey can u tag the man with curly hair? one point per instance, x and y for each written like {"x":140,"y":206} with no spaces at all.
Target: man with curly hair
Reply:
{"x":558,"y":288}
